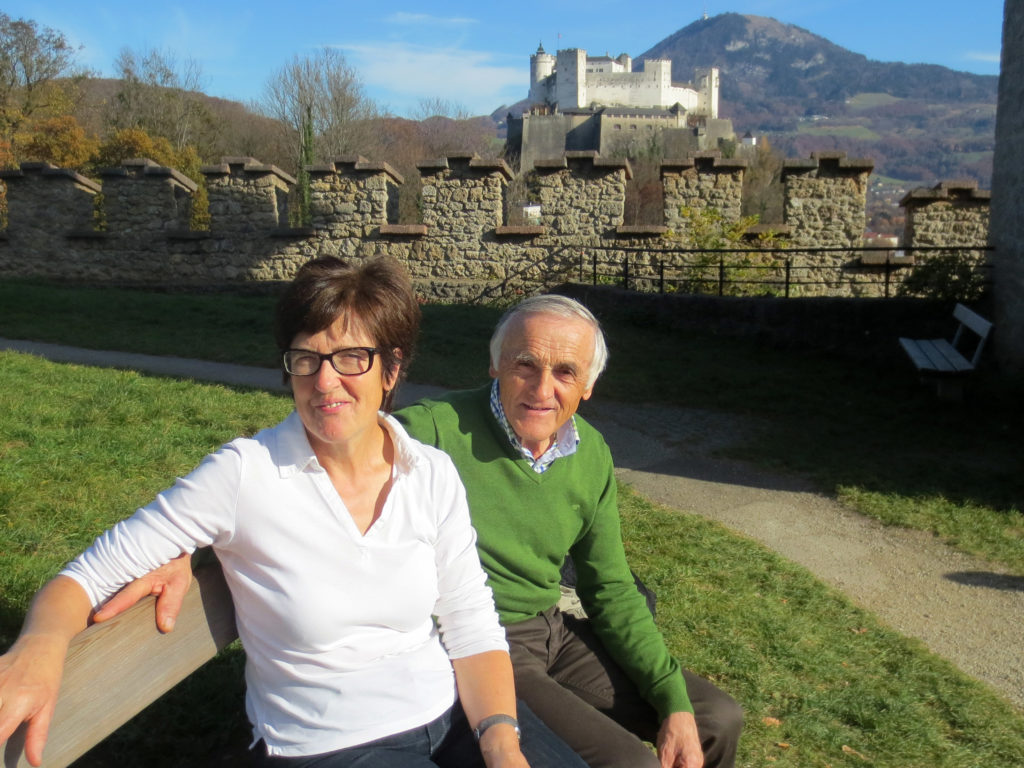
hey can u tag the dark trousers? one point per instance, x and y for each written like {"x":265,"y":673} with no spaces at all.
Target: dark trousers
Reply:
{"x":567,"y":678}
{"x":447,"y":742}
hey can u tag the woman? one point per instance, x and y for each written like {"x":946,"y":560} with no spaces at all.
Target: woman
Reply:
{"x":341,"y":539}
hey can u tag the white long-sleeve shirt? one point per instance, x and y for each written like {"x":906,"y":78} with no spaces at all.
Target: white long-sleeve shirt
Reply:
{"x":338,"y":631}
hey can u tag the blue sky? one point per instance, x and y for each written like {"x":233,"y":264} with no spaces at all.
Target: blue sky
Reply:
{"x":477,"y":53}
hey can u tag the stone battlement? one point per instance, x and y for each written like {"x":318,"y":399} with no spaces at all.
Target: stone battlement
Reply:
{"x":464,"y":249}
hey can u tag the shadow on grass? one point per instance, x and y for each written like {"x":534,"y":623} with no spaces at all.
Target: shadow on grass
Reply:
{"x":201,"y":721}
{"x":832,"y":420}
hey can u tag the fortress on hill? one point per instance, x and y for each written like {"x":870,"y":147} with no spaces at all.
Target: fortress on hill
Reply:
{"x":579,"y":102}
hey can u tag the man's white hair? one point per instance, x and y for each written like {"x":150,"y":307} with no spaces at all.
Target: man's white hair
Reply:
{"x":562,"y":306}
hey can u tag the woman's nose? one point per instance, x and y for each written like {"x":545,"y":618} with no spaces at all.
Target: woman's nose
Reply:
{"x":326,"y":378}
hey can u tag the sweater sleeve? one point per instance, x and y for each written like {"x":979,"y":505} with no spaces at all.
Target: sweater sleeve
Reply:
{"x":618,"y":611}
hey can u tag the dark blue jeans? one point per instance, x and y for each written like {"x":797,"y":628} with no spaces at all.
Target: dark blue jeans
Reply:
{"x":447,"y":742}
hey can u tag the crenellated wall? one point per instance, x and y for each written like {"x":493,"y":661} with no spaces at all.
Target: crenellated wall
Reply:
{"x":705,"y":180}
{"x":825,"y":199}
{"x":954,"y":211}
{"x":462,"y":250}
{"x":582,"y":195}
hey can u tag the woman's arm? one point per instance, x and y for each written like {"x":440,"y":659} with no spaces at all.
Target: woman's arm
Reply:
{"x":486,"y":688}
{"x":31,"y":670}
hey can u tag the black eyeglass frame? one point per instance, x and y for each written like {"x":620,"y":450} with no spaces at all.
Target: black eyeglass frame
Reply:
{"x":371,"y":353}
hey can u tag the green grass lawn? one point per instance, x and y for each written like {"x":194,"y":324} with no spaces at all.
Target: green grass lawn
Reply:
{"x":871,"y":436}
{"x":863,"y":101}
{"x":826,"y":128}
{"x":823,"y":683}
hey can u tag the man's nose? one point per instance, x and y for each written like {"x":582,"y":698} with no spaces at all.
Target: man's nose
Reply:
{"x":544,"y":384}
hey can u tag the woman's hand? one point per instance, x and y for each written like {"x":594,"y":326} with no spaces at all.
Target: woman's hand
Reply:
{"x":169,"y":583}
{"x":500,"y":747}
{"x":31,"y":670}
{"x":30,"y":676}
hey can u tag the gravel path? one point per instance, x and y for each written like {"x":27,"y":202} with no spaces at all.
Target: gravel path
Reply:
{"x":962,"y":608}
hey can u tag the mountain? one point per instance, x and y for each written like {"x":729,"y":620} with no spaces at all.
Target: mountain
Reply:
{"x":920,"y":123}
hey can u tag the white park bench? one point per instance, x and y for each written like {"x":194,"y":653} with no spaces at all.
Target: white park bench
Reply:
{"x":944,"y":363}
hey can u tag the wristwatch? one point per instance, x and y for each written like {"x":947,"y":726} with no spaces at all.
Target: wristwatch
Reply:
{"x":487,"y":722}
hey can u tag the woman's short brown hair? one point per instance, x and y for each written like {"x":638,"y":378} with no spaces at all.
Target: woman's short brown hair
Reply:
{"x":376,"y":293}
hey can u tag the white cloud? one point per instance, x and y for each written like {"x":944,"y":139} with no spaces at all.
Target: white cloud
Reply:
{"x":399,"y":75}
{"x":421,"y":19}
{"x":988,"y":58}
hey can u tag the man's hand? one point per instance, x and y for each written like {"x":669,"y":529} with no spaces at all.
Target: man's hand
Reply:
{"x":169,"y":583}
{"x":678,"y":742}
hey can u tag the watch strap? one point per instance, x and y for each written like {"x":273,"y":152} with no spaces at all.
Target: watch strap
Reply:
{"x":490,"y":720}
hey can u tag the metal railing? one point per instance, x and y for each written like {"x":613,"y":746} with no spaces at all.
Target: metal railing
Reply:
{"x":781,"y":272}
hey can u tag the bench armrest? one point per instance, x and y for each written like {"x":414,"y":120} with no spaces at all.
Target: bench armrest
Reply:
{"x":116,"y":669}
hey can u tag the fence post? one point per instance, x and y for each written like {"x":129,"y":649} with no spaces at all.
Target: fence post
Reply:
{"x":594,"y":282}
{"x":625,"y":271}
{"x":661,"y":276}
{"x":789,"y":263}
{"x":721,"y":274}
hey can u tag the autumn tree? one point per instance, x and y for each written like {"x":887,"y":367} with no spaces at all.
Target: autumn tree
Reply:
{"x":162,"y":97}
{"x":762,"y":185}
{"x":325,"y":93}
{"x":319,"y":104}
{"x":60,"y":141}
{"x":447,"y":127}
{"x":712,"y":235}
{"x":38,"y":74}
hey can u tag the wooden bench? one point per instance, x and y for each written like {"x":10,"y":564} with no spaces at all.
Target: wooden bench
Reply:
{"x":942,"y":362}
{"x":116,"y":669}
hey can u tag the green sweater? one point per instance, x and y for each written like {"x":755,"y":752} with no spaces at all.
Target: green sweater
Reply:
{"x":526,"y":522}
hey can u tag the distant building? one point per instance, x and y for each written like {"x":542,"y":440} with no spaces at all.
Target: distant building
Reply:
{"x":572,"y":80}
{"x":578,"y":102}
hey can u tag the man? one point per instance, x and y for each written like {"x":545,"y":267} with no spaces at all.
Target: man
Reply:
{"x":540,"y":485}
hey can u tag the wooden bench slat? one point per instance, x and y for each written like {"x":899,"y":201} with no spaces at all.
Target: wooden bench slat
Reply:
{"x":942,"y":360}
{"x":116,"y":669}
{"x":936,"y":355}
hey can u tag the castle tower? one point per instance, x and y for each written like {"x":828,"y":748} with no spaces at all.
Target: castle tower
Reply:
{"x":707,"y":91}
{"x":660,"y":73}
{"x":571,"y":79}
{"x":542,"y":66}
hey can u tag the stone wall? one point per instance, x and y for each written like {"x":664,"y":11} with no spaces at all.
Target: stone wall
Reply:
{"x":825,"y":197}
{"x":462,"y":250}
{"x":824,"y":207}
{"x":950,"y":209}
{"x":706,"y":180}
